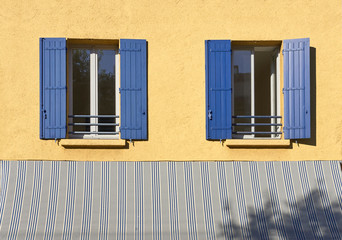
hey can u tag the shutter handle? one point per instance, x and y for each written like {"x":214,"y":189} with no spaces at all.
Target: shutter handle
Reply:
{"x":45,"y":115}
{"x":143,"y":113}
{"x":210,"y":114}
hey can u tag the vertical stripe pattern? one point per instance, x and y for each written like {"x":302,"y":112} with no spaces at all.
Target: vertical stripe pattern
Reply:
{"x":139,"y":196}
{"x":326,"y":201}
{"x":35,"y":200}
{"x":336,"y":168}
{"x":171,"y":200}
{"x":121,"y":228}
{"x":223,"y":190}
{"x":258,"y":202}
{"x":207,"y":206}
{"x":18,"y":199}
{"x":104,"y":205}
{"x":275,"y":204}
{"x":309,"y":203}
{"x":156,"y":206}
{"x":70,"y":201}
{"x":51,"y":214}
{"x":190,"y":201}
{"x":87,"y":200}
{"x":291,"y":198}
{"x":4,"y":183}
{"x":246,"y":232}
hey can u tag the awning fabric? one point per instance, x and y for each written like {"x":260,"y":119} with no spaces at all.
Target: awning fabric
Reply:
{"x":170,"y":200}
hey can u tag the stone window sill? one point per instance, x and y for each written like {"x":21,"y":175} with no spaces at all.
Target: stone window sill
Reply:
{"x":257,"y":143}
{"x":92,"y":143}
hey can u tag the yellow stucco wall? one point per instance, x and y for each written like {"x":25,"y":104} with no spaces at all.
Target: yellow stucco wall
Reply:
{"x":175,"y":31}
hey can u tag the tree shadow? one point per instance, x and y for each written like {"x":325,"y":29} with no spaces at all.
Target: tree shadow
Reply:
{"x":311,"y":217}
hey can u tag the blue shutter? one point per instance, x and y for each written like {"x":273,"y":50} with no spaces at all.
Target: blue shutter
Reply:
{"x":296,"y":88}
{"x":218,"y":89}
{"x":133,"y":89}
{"x":52,"y":88}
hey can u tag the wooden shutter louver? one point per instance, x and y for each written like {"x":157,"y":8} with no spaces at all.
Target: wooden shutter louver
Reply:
{"x":53,"y":88}
{"x":218,"y":89}
{"x":296,"y":88}
{"x":133,"y":89}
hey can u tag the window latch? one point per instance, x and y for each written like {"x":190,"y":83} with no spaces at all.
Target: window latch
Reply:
{"x":210,"y":114}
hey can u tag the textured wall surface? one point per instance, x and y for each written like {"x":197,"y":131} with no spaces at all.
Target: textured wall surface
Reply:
{"x":175,"y":31}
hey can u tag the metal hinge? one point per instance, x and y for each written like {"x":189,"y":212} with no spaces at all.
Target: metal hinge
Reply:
{"x":210,"y":114}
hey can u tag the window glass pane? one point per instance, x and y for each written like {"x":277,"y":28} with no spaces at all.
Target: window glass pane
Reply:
{"x":262,"y":77}
{"x":242,"y":86}
{"x":81,"y":86}
{"x":106,"y":88}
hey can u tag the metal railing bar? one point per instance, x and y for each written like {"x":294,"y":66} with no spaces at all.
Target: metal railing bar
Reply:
{"x":256,"y":124}
{"x":93,"y":124}
{"x":84,"y":132}
{"x":242,"y":116}
{"x":93,"y":116}
{"x":237,"y":132}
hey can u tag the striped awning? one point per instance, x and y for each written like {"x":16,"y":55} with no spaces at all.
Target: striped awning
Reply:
{"x":170,"y":200}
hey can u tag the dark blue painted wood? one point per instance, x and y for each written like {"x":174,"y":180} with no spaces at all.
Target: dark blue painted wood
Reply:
{"x":133,"y":89}
{"x":296,"y":88}
{"x":53,"y":88}
{"x":218,"y":89}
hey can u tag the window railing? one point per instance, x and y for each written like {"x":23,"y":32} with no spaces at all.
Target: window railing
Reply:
{"x":240,"y":128}
{"x":93,"y":124}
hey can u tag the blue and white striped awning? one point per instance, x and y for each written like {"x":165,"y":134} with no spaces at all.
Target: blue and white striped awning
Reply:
{"x":170,"y":200}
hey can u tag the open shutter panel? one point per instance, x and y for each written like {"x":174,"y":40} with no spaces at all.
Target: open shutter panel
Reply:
{"x":296,"y":88}
{"x":52,"y":88}
{"x":133,"y":89}
{"x":218,"y":89}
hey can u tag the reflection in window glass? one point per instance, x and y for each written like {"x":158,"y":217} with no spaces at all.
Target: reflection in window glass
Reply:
{"x":242,"y":86}
{"x":106,"y":87}
{"x":81,"y":86}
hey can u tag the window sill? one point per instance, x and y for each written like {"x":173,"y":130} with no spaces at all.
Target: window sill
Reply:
{"x":257,"y":143}
{"x":92,"y":143}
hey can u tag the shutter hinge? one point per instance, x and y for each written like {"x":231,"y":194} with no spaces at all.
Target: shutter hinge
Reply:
{"x":119,"y":90}
{"x":283,"y":90}
{"x":210,"y":114}
{"x":282,"y":52}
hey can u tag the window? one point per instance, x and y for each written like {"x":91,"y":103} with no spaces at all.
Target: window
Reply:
{"x":93,"y":91}
{"x":106,"y":90}
{"x":255,"y":92}
{"x":243,"y":89}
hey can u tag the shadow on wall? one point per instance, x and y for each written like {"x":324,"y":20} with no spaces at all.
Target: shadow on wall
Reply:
{"x":308,"y":218}
{"x":312,"y":140}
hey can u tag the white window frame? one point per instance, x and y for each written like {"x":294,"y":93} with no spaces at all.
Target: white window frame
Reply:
{"x":94,"y":90}
{"x":274,"y":87}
